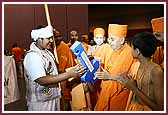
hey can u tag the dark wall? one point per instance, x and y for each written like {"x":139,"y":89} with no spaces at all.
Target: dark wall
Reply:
{"x":136,"y":16}
{"x":20,"y":19}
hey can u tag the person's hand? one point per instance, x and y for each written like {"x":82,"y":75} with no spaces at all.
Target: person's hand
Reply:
{"x":102,"y":75}
{"x":77,"y":71}
{"x":126,"y":80}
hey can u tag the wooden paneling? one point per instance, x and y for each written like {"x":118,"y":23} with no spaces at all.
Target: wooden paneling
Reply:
{"x":77,"y":18}
{"x":20,"y":19}
{"x":39,"y":15}
{"x":58,"y":18}
{"x":18,"y":23}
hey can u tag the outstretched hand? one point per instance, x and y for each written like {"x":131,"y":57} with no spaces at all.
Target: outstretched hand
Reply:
{"x":122,"y":78}
{"x":77,"y":71}
{"x":126,"y":80}
{"x":104,"y":75}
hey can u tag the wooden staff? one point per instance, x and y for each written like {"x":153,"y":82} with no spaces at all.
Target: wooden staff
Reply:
{"x":129,"y":100}
{"x":49,"y":23}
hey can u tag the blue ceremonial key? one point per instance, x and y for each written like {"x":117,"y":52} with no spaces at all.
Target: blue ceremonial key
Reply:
{"x":91,"y":66}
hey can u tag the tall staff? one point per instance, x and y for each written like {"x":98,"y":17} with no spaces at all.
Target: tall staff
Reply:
{"x":49,"y":23}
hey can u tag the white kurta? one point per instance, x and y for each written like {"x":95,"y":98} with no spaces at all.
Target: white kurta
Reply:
{"x":38,"y":63}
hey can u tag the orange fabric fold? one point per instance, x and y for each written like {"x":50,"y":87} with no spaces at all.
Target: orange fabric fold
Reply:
{"x":158,"y":56}
{"x":66,"y":60}
{"x":117,"y":30}
{"x":113,"y":96}
{"x":99,"y":55}
{"x":85,"y":46}
{"x":78,"y":103}
{"x":158,"y":24}
{"x":17,"y":53}
{"x":100,"y":51}
{"x":100,"y":31}
{"x":138,"y":107}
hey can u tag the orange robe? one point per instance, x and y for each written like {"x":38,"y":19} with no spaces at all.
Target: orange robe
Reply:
{"x":158,"y":56}
{"x":144,"y":84}
{"x":133,"y":73}
{"x":132,"y":104}
{"x":66,"y":60}
{"x":80,"y":97}
{"x":17,"y":52}
{"x":98,"y":53}
{"x":85,"y":46}
{"x":88,"y":48}
{"x":113,"y":95}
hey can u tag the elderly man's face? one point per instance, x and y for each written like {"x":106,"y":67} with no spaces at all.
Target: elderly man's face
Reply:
{"x":115,"y":42}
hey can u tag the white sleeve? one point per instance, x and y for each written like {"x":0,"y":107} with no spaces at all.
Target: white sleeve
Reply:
{"x":34,"y":66}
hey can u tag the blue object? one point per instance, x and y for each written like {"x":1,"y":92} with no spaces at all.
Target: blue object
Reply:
{"x":91,"y":66}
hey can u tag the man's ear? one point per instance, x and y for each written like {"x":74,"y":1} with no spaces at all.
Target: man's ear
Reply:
{"x":122,"y":40}
{"x":138,"y":51}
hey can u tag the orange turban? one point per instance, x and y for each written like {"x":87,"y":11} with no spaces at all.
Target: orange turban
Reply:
{"x":99,"y":31}
{"x":158,"y":24}
{"x":117,"y":30}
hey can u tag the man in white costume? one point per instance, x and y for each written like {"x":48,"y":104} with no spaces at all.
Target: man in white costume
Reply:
{"x":42,"y":79}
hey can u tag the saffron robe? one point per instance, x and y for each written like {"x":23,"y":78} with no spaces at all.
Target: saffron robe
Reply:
{"x":113,"y":95}
{"x":17,"y":52}
{"x":66,"y":61}
{"x":158,"y":56}
{"x":145,"y":85}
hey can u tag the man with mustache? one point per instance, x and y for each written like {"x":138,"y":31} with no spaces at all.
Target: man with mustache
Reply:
{"x":42,"y":78}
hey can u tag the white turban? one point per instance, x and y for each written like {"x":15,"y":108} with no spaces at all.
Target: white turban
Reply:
{"x":42,"y":33}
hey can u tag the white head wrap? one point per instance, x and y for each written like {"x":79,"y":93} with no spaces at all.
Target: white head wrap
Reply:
{"x":42,"y":33}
